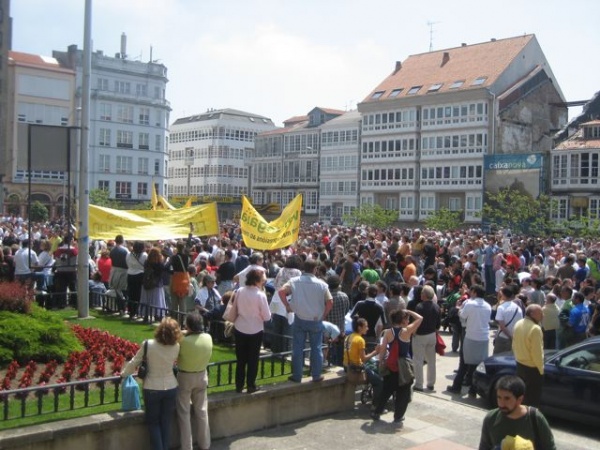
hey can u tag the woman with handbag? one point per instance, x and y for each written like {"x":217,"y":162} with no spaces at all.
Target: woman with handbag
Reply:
{"x":180,"y":280}
{"x":400,"y":380}
{"x":252,"y":309}
{"x":160,"y":384}
{"x":355,"y":357}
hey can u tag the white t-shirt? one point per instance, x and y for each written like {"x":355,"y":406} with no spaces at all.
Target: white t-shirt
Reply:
{"x":475,"y":315}
{"x":510,"y":313}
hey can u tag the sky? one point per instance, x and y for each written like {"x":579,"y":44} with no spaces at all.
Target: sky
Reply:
{"x":281,"y":58}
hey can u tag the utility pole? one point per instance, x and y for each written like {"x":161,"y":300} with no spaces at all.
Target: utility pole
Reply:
{"x":83,"y":271}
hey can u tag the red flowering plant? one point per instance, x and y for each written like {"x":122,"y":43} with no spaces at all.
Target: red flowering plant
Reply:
{"x":16,"y":297}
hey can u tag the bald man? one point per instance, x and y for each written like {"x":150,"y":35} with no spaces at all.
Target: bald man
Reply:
{"x":528,"y":348}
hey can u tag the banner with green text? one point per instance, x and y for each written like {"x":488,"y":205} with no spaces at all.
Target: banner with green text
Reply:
{"x":281,"y":232}
{"x":148,"y":225}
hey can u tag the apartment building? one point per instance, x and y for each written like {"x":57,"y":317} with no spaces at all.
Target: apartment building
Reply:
{"x":5,"y":46}
{"x":340,"y":153}
{"x":129,"y":117}
{"x":574,"y":176}
{"x":40,"y":91}
{"x":427,"y":127}
{"x":286,"y":161}
{"x":210,"y":156}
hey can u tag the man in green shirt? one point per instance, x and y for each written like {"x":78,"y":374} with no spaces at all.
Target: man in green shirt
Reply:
{"x":512,"y":419}
{"x":195,"y":351}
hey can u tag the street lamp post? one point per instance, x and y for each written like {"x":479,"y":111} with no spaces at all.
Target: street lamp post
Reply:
{"x":189,"y":162}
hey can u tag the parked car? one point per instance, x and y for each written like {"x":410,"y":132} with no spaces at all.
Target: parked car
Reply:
{"x":571,"y":386}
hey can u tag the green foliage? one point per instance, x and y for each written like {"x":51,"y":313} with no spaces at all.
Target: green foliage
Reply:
{"x":372,"y":215}
{"x":444,"y":219}
{"x":583,"y":227}
{"x":140,"y":206}
{"x":38,"y":212}
{"x":40,"y":336}
{"x":511,"y":208}
{"x":101,"y":197}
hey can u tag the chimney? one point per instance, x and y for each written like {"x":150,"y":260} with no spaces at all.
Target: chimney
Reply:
{"x":397,"y":68}
{"x":445,"y":58}
{"x":123,"y":46}
{"x":464,"y":44}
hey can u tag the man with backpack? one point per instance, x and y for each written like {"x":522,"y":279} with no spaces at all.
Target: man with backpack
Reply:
{"x":513,"y":421}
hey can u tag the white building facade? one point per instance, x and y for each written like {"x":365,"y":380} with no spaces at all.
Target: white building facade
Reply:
{"x":427,"y":127}
{"x":340,"y":154}
{"x":210,"y":156}
{"x":129,"y":117}
{"x":575,"y":181}
{"x":286,"y":161}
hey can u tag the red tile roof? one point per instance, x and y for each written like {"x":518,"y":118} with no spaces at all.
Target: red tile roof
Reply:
{"x":295,"y":119}
{"x":466,"y":63}
{"x":27,"y":59}
{"x":577,"y":141}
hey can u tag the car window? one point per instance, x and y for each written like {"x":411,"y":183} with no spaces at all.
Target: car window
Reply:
{"x":587,"y":358}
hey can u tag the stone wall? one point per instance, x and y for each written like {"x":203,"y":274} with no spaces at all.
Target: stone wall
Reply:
{"x":229,"y":414}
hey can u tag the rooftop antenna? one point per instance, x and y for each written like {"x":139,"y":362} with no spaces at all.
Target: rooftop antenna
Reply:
{"x":430,"y":24}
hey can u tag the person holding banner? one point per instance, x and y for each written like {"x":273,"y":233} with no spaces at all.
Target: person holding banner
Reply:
{"x":311,"y":303}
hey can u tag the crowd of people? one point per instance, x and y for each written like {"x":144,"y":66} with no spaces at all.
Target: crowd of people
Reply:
{"x":399,"y":285}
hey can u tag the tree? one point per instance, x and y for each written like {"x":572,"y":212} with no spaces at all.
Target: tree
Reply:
{"x":443,"y":219}
{"x":523,"y":214}
{"x":372,"y":216}
{"x":101,"y":197}
{"x":38,"y":212}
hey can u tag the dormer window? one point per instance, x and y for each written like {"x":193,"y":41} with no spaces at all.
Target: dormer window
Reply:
{"x":435,"y":87}
{"x":395,"y":93}
{"x":591,"y":132}
{"x":413,"y":90}
{"x":377,"y":95}
{"x":457,"y":84}
{"x":479,"y":81}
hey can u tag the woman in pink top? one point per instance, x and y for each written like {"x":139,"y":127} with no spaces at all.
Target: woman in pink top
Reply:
{"x":253,"y":311}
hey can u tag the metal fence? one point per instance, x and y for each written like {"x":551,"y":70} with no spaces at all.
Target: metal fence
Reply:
{"x":75,"y":395}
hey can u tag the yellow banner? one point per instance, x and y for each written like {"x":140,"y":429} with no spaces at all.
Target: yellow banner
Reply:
{"x":148,"y":225}
{"x":281,"y":232}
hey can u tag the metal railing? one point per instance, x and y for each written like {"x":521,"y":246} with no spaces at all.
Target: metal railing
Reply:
{"x":56,"y":398}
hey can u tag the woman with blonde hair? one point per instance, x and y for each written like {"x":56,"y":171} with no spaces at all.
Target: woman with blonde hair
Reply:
{"x":160,"y":383}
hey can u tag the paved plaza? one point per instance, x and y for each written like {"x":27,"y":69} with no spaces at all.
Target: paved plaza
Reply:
{"x":433,"y":421}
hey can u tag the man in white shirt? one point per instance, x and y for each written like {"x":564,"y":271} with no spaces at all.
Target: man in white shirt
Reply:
{"x":25,"y":259}
{"x":500,"y":274}
{"x":256,"y":262}
{"x":507,"y":315}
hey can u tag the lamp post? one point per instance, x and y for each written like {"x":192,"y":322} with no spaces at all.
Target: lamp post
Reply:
{"x":189,"y":162}
{"x":83,"y":294}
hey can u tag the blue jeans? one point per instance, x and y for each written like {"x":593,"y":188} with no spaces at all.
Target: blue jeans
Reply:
{"x":314,"y":330}
{"x":160,"y":411}
{"x":377,"y":382}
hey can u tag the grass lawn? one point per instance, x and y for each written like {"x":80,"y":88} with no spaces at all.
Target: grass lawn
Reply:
{"x":130,"y":330}
{"x":43,"y":410}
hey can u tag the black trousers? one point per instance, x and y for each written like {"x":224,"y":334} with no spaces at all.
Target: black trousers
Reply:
{"x":390,"y":385}
{"x":247,"y":352}
{"x":62,"y":281}
{"x":533,"y":384}
{"x":134,"y":292}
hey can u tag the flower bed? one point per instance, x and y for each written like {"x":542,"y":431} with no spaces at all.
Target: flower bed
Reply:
{"x":104,"y":355}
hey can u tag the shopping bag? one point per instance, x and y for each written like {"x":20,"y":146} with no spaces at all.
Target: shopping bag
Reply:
{"x":130,"y":395}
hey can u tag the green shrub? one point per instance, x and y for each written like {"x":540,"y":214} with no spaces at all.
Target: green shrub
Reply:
{"x":40,"y":336}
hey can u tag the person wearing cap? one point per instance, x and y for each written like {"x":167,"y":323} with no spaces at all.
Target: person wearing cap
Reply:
{"x":512,"y":418}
